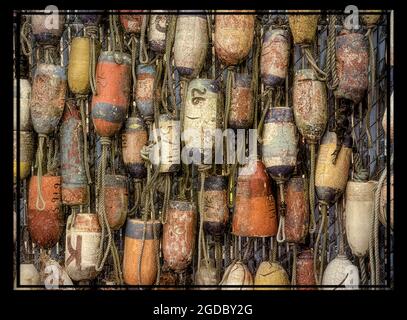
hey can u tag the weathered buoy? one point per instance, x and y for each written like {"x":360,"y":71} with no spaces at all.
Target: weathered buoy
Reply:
{"x":134,"y":138}
{"x":352,"y":63}
{"x":310,"y":105}
{"x":131,"y":22}
{"x":167,"y":278}
{"x":255,"y":212}
{"x":47,"y":31}
{"x":280,"y":140}
{"x":237,"y":274}
{"x":141,"y":245}
{"x":78,"y":68}
{"x":297,"y":211}
{"x":25,"y":97}
{"x":116,"y":200}
{"x":109,"y":106}
{"x":341,"y":272}
{"x":305,"y":270}
{"x":331,"y":179}
{"x":83,"y":235}
{"x":215,"y":208}
{"x":167,"y":144}
{"x":359,"y":215}
{"x":45,"y":226}
{"x":241,"y":108}
{"x":144,"y":93}
{"x":271,"y":273}
{"x":190,"y":44}
{"x":370,"y":19}
{"x":202,"y":116}
{"x":179,"y":235}
{"x":206,"y":275}
{"x":383,"y":202}
{"x":303,"y":27}
{"x":234,"y":36}
{"x":275,"y":55}
{"x":73,"y":175}
{"x":29,"y":275}
{"x":47,"y":97}
{"x":26,"y":154}
{"x":157,"y":31}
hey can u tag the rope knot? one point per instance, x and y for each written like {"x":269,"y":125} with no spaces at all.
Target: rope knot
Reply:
{"x":105,"y":141}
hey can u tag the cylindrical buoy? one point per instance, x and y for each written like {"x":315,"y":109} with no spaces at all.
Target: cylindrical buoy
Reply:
{"x":341,"y":272}
{"x":383,"y":203}
{"x":331,"y":179}
{"x":280,"y":140}
{"x":25,"y":96}
{"x":132,"y":22}
{"x":297,"y":211}
{"x":78,"y":68}
{"x":190,"y":44}
{"x":215,"y":209}
{"x":237,"y":274}
{"x":141,"y":244}
{"x":305,"y":270}
{"x":167,"y":144}
{"x":83,"y":235}
{"x":241,"y":108}
{"x":303,"y":27}
{"x":29,"y":275}
{"x":206,"y":275}
{"x":157,"y":31}
{"x":352,"y":63}
{"x":202,"y":116}
{"x":26,"y":153}
{"x":134,"y":138}
{"x":310,"y":105}
{"x":47,"y":31}
{"x":359,"y":214}
{"x":73,"y":175}
{"x":109,"y":106}
{"x":255,"y":211}
{"x":144,"y":92}
{"x":116,"y":200}
{"x":179,"y":235}
{"x":234,"y":36}
{"x":47,"y":97}
{"x":275,"y":55}
{"x":45,"y":226}
{"x":271,"y":274}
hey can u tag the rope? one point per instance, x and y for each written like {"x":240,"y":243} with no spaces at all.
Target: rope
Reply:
{"x":372,"y":87}
{"x":268,"y":103}
{"x":143,"y":55}
{"x":339,"y":210}
{"x":331,"y":71}
{"x":218,"y":253}
{"x":320,"y":74}
{"x":40,"y":156}
{"x":313,"y":225}
{"x":360,"y":173}
{"x":281,"y":227}
{"x":26,"y":46}
{"x":133,"y":41}
{"x":316,"y":244}
{"x":85,"y":139}
{"x":92,"y":33}
{"x":274,"y":250}
{"x":114,"y":32}
{"x":294,"y":267}
{"x":230,"y":82}
{"x":363,"y":275}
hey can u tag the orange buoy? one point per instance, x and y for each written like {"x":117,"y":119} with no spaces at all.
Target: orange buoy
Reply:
{"x":190,"y":44}
{"x":241,"y":108}
{"x":83,"y":235}
{"x":142,"y":242}
{"x":297,"y":211}
{"x":305,"y":270}
{"x":303,"y":26}
{"x":255,"y":212}
{"x":144,"y":93}
{"x":274,"y":59}
{"x":352,"y":63}
{"x":116,"y":200}
{"x":47,"y":97}
{"x":131,"y":22}
{"x":74,"y":182}
{"x":331,"y":179}
{"x":158,"y":31}
{"x":179,"y":235}
{"x":234,"y":36}
{"x":47,"y":30}
{"x":134,"y":138}
{"x":45,"y":226}
{"x":109,"y":106}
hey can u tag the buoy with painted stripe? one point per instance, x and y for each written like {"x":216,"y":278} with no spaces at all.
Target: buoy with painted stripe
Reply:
{"x":157,"y":31}
{"x":144,"y":93}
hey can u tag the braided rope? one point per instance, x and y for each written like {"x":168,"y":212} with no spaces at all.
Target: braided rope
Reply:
{"x":281,"y":226}
{"x":372,"y":87}
{"x":316,"y":244}
{"x":294,"y":266}
{"x":40,"y":156}
{"x":85,"y":138}
{"x":313,"y":225}
{"x":330,"y":67}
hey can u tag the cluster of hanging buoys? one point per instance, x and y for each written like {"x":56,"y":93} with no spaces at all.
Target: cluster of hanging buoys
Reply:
{"x":149,"y":96}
